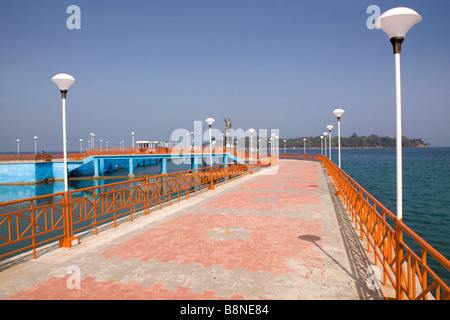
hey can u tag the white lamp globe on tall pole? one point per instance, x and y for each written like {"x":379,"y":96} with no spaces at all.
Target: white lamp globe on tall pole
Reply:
{"x":396,"y":23}
{"x":273,"y":144}
{"x":92,"y":140}
{"x":277,"y":145}
{"x":329,"y":127}
{"x":132,"y":141}
{"x":35,"y":145}
{"x":338,"y":113}
{"x":81,"y":145}
{"x":321,"y":145}
{"x":325,"y":134}
{"x":304,"y":145}
{"x":251,"y":130}
{"x":210,"y":122}
{"x":18,"y":142}
{"x":64,"y":82}
{"x":187,"y":141}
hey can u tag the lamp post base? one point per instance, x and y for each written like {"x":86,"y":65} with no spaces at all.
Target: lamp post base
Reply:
{"x":69,"y":242}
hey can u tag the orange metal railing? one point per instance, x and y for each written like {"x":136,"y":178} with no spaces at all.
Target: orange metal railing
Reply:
{"x":408,"y":271}
{"x":30,"y":223}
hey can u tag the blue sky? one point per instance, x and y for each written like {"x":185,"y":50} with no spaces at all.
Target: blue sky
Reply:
{"x":154,"y":66}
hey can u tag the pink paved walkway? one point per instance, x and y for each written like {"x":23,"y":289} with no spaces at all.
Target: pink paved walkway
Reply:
{"x":272,"y":235}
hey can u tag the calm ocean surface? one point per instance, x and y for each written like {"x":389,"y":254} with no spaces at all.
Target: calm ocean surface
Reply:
{"x":426,"y":192}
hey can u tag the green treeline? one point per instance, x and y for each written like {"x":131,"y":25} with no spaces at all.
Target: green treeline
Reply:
{"x":355,"y":141}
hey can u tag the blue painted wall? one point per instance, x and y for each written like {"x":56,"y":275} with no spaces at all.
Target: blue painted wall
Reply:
{"x":34,"y":172}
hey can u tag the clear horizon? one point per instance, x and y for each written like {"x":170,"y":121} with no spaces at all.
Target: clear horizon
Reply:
{"x":151,"y":67}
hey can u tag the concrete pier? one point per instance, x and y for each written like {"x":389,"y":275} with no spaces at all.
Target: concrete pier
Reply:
{"x":278,"y":234}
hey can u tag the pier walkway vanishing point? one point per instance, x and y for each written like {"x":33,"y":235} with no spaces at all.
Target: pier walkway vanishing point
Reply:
{"x":280,"y":233}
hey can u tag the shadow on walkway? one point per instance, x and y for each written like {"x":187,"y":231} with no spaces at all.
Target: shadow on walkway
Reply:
{"x":358,"y":259}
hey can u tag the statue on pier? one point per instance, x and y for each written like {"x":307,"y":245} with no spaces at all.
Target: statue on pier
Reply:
{"x":228,"y":123}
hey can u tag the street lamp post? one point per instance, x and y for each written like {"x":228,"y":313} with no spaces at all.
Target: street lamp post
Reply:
{"x":284,"y":148}
{"x":325,"y":134}
{"x":321,"y":145}
{"x":251,"y":130}
{"x":338,"y":113}
{"x":277,"y":144}
{"x":270,"y":146}
{"x":63,"y":82}
{"x":304,"y":145}
{"x":18,"y":142}
{"x":273,"y":144}
{"x":258,"y":148}
{"x":396,"y":23}
{"x":187,"y":142}
{"x":329,"y":127}
{"x":81,"y":145}
{"x":132,"y":141}
{"x":35,"y":145}
{"x":210,"y":122}
{"x":92,"y":140}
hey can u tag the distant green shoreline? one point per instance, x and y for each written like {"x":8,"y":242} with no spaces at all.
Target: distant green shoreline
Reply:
{"x":355,"y":141}
{"x":342,"y":147}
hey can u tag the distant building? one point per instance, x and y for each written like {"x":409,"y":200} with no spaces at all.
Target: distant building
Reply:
{"x":147,"y":146}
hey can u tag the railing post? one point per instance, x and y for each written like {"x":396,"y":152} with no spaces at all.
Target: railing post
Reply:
{"x":69,"y":239}
{"x":95,"y":211}
{"x":211,"y":187}
{"x":147,"y":206}
{"x":398,"y":260}
{"x":423,"y":256}
{"x":33,"y":231}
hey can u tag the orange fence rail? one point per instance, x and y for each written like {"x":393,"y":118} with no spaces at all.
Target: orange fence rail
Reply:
{"x":408,"y":271}
{"x":30,"y":223}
